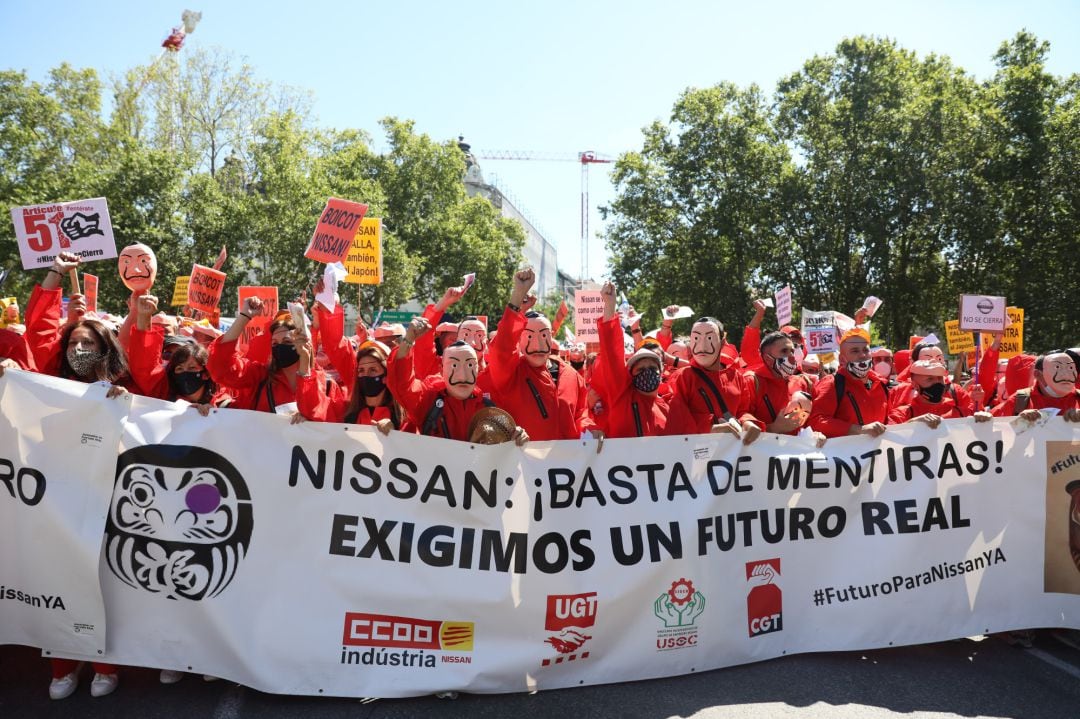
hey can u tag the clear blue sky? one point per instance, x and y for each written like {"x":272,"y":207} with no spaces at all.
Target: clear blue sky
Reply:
{"x":555,"y":76}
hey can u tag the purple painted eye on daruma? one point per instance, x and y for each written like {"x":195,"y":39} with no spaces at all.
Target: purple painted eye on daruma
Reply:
{"x":203,"y":498}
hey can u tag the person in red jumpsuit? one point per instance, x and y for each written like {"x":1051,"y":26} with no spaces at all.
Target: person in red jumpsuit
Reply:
{"x":1054,"y":388}
{"x":627,"y":387}
{"x":443,"y":406}
{"x":711,"y":394}
{"x":927,"y":397}
{"x":782,"y":401}
{"x":854,"y":400}
{"x":543,"y":394}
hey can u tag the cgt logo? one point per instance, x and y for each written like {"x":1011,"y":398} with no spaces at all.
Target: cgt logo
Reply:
{"x":569,"y":615}
{"x":393,"y":632}
{"x":764,"y":601}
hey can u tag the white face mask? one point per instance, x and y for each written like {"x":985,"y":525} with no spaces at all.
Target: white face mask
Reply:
{"x":883,"y":370}
{"x":859,"y":369}
{"x":799,"y":355}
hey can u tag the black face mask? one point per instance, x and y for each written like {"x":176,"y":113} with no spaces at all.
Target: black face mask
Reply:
{"x":934,"y":392}
{"x":647,"y":380}
{"x":372,"y":386}
{"x":577,"y":365}
{"x":285,"y":355}
{"x":186,"y":384}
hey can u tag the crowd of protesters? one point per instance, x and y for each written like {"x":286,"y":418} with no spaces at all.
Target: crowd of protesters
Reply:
{"x":455,"y":380}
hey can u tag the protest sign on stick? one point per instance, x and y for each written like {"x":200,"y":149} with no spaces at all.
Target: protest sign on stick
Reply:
{"x":334,"y":234}
{"x":82,"y":227}
{"x":204,"y":288}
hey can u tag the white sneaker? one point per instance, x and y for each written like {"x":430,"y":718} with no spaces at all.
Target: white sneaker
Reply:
{"x":170,"y":676}
{"x":104,"y":684}
{"x":63,"y":687}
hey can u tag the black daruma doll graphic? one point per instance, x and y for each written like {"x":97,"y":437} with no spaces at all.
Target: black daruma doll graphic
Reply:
{"x":180,"y":521}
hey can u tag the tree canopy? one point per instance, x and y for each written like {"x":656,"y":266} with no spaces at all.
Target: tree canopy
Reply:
{"x":871,"y":171}
{"x":195,"y":153}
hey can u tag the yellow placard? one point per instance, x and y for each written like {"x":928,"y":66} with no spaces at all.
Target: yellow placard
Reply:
{"x":958,"y":342}
{"x":179,"y":295}
{"x":364,"y":261}
{"x":1012,"y":341}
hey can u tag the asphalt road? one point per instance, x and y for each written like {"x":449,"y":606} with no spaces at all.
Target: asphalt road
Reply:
{"x":963,"y":678}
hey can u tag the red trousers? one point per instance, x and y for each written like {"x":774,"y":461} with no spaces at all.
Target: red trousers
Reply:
{"x":63,"y":667}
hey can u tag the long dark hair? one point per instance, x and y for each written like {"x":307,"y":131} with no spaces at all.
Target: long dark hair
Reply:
{"x":357,"y":400}
{"x":181,"y":354}
{"x":112,"y":368}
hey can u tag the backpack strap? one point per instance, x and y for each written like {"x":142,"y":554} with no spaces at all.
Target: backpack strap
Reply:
{"x":435,"y":417}
{"x":537,"y":397}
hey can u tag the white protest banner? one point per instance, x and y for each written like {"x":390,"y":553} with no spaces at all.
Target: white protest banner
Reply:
{"x":308,"y":560}
{"x":588,"y":310}
{"x":57,"y":457}
{"x":819,"y":331}
{"x":979,"y":313}
{"x":783,"y":305}
{"x":81,"y":226}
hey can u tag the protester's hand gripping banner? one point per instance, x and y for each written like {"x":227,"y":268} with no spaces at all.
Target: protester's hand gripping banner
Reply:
{"x":311,"y":560}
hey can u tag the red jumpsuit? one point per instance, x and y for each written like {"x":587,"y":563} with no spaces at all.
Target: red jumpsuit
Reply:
{"x":905,"y":403}
{"x":627,"y":412}
{"x":419,"y":396}
{"x":1037,"y":399}
{"x":771,"y":395}
{"x":528,"y":393}
{"x":258,"y":389}
{"x":43,"y":335}
{"x":144,"y":361}
{"x":13,"y":347}
{"x":861,"y":404}
{"x":694,"y":407}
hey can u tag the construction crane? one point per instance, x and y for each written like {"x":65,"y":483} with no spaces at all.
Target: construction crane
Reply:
{"x":585,"y":158}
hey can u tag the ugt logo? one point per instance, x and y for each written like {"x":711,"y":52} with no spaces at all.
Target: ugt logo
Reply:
{"x":180,"y":521}
{"x":680,"y":605}
{"x":569,"y":615}
{"x":764,"y":601}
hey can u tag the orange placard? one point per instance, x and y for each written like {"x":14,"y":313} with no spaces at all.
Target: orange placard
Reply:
{"x":334,"y":234}
{"x":261,"y":321}
{"x":204,"y":288}
{"x":90,"y":283}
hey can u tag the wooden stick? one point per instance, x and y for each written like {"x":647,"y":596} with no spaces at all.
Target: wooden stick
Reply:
{"x":74,"y":275}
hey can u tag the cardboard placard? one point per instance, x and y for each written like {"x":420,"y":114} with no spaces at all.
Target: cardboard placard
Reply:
{"x":819,"y":331}
{"x":783,"y":306}
{"x":364,"y":260}
{"x":982,"y":313}
{"x":82,"y":227}
{"x":90,"y":288}
{"x":333,"y":236}
{"x":260,"y":321}
{"x":1012,"y":340}
{"x":204,"y":288}
{"x":956,"y":341}
{"x":179,"y":294}
{"x":588,"y":309}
